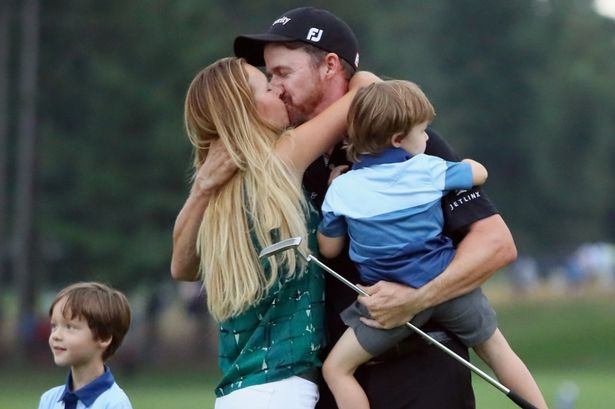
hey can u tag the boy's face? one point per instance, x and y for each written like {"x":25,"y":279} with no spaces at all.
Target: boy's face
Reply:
{"x":72,"y":341}
{"x":415,"y":141}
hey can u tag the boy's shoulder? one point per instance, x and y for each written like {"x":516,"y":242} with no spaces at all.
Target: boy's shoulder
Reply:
{"x":50,"y":398}
{"x":345,"y":178}
{"x":114,"y":397}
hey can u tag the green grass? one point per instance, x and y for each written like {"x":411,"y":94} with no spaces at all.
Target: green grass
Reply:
{"x":560,"y":340}
{"x":156,"y":389}
{"x":563,"y":340}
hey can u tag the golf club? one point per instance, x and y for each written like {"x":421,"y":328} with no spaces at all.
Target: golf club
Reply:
{"x":293,"y":243}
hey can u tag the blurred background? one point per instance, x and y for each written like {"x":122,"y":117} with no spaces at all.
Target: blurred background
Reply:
{"x":94,"y":166}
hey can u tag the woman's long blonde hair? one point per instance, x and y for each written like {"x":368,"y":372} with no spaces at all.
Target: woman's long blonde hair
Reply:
{"x":261,"y":199}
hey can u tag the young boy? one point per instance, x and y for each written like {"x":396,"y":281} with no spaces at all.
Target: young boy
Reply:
{"x":389,"y":206}
{"x":88,"y":324}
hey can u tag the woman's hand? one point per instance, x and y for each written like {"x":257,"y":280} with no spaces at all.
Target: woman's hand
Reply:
{"x":217,"y":169}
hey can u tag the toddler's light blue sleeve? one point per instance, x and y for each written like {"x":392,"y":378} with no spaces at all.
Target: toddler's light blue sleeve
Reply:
{"x":458,"y":176}
{"x":333,"y":223}
{"x":449,"y":175}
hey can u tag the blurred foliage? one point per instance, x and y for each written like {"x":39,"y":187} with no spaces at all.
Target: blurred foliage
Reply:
{"x":527,"y":87}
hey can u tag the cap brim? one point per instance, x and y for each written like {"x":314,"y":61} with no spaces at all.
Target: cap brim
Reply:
{"x":250,"y":46}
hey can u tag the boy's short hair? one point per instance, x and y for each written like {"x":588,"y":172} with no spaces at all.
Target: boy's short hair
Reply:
{"x":105,"y":309}
{"x":382,"y":110}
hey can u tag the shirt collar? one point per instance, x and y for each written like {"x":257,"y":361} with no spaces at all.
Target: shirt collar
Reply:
{"x":90,"y":392}
{"x":389,"y":155}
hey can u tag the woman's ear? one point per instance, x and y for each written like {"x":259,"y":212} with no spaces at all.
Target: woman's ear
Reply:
{"x":396,"y":139}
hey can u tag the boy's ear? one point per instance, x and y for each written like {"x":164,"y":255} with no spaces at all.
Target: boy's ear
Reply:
{"x":104,"y":343}
{"x":396,"y":139}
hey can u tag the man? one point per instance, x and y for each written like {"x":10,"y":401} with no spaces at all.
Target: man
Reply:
{"x":310,"y":54}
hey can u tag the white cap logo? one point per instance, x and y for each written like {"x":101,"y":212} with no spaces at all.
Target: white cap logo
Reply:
{"x":314,"y":34}
{"x":281,"y":20}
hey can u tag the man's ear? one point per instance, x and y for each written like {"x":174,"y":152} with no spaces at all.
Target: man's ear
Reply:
{"x":332,"y":64}
{"x":397,"y":138}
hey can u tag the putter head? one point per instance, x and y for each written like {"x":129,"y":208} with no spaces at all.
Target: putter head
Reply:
{"x":280,"y":246}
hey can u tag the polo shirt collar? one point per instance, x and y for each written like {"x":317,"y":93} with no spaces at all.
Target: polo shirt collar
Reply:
{"x":389,"y":155}
{"x":90,"y":392}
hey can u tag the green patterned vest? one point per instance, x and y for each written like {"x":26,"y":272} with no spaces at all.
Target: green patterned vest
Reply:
{"x":280,"y":337}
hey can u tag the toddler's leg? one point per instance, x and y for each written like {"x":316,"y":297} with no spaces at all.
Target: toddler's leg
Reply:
{"x":509,"y":369}
{"x":338,"y":370}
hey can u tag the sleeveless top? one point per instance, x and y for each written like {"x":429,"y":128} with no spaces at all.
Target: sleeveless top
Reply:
{"x":281,"y":336}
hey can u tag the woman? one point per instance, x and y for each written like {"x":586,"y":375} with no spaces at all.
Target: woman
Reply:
{"x":271,"y":315}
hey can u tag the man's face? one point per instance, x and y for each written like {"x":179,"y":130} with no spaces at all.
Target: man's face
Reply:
{"x":301,"y":83}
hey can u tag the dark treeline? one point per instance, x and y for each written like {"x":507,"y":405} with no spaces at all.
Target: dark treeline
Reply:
{"x":525,"y":86}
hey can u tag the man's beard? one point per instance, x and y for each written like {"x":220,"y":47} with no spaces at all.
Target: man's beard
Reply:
{"x":298,"y":114}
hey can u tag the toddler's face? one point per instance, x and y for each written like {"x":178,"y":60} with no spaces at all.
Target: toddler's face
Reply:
{"x":416,"y":140}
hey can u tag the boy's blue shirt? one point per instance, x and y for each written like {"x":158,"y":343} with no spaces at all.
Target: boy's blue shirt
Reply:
{"x":389,"y":205}
{"x":389,"y":155}
{"x":101,"y":393}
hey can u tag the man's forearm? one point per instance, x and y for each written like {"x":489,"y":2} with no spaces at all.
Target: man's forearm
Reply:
{"x":486,"y":248}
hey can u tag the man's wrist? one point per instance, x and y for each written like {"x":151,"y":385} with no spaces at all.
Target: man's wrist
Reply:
{"x":427,"y":296}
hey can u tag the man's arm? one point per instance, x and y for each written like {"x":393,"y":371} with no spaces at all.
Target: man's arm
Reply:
{"x":487,"y":247}
{"x":215,"y":172}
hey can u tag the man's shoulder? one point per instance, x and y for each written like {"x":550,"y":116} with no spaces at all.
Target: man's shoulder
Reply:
{"x":438,"y":146}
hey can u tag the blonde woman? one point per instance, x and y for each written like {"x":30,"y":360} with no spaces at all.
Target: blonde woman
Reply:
{"x":270,"y":315}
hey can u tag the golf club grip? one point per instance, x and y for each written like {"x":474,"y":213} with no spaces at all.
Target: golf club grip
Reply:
{"x":520,"y":401}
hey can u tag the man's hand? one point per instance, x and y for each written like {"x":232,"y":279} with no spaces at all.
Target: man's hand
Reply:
{"x":486,"y":248}
{"x":336,"y":171}
{"x":390,"y":304}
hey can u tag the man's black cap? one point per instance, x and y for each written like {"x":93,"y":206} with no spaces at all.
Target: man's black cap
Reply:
{"x":310,"y":25}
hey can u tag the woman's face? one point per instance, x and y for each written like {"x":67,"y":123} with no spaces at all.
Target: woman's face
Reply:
{"x":268,"y":103}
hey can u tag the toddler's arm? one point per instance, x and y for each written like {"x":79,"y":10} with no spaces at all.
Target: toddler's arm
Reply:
{"x":479,"y":172}
{"x":330,"y":246}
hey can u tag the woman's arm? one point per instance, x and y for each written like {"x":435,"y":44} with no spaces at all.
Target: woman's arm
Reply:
{"x":313,"y":138}
{"x":215,"y":172}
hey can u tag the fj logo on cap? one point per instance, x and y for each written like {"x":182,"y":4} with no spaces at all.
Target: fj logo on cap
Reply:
{"x":314,"y":34}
